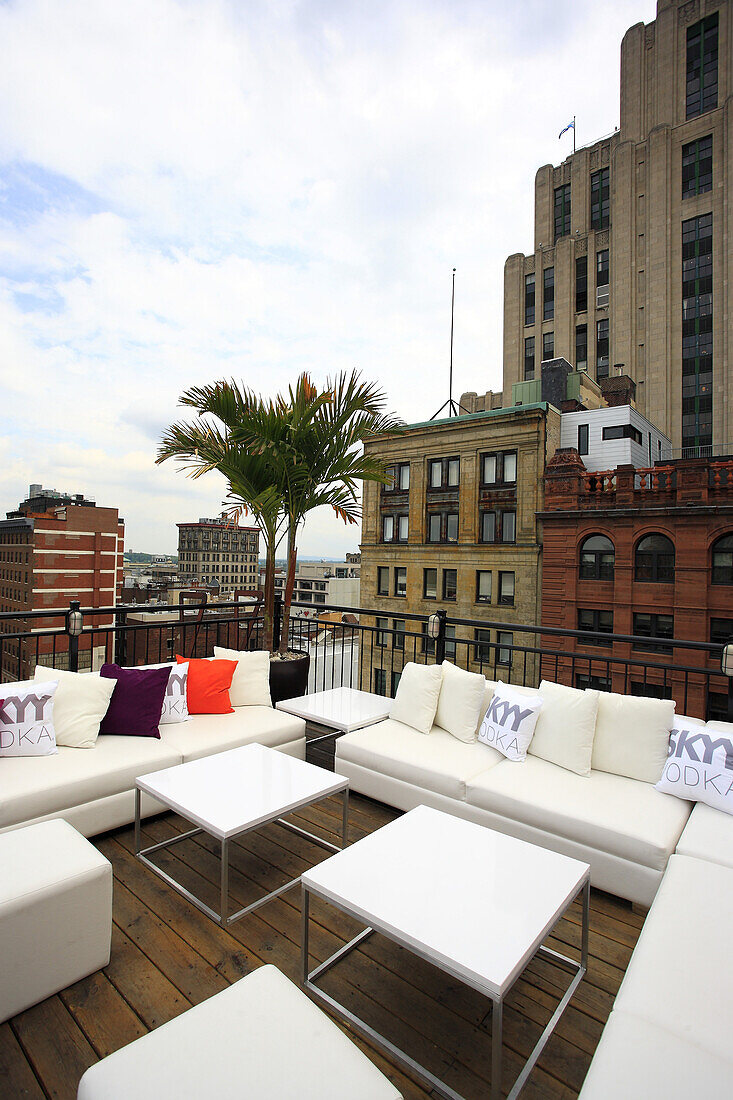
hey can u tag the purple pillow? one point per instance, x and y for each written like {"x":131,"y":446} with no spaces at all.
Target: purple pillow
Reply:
{"x":137,"y":700}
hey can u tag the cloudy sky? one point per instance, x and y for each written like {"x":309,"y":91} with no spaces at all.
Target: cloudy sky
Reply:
{"x":199,"y":189}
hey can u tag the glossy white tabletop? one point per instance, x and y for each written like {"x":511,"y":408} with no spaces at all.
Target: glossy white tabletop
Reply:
{"x":238,"y":789}
{"x":473,"y":901}
{"x":343,"y":708}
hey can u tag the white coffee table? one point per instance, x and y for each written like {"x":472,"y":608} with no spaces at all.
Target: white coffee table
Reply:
{"x":474,"y":902}
{"x":340,"y":709}
{"x":231,"y":793}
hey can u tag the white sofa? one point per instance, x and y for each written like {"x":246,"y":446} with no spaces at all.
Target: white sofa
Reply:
{"x":624,"y":828}
{"x":93,"y":789}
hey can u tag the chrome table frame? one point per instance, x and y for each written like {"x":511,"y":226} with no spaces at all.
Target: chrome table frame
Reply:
{"x":223,"y":917}
{"x":577,"y":969}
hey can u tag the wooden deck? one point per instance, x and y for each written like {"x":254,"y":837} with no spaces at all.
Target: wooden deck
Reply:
{"x":166,"y":956}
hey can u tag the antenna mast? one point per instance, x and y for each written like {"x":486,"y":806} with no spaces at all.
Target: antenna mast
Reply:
{"x":454,"y":407}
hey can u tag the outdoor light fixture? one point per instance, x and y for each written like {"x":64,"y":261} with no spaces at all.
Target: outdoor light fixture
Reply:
{"x":726,"y":660}
{"x":434,"y":625}
{"x":74,"y":622}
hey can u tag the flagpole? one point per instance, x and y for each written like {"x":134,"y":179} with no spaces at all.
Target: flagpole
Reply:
{"x":573,"y":135}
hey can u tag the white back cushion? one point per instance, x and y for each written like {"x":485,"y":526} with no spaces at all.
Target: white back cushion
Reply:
{"x":460,"y":703}
{"x":632,"y":735}
{"x":251,"y":680}
{"x":566,"y":727}
{"x":417,"y":696}
{"x":79,"y":705}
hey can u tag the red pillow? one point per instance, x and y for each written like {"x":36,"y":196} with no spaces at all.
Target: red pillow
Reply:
{"x":207,"y":686}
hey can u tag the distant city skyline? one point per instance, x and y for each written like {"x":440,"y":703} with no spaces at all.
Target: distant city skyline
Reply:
{"x":253,"y":190}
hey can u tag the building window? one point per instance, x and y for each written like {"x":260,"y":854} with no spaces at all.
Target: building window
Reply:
{"x":383,"y":580}
{"x":602,"y":348}
{"x":482,"y":648}
{"x":443,"y":527}
{"x":653,"y":626}
{"x":594,"y":683}
{"x":600,"y":622}
{"x":450,"y":584}
{"x":548,"y":294}
{"x":529,"y":296}
{"x":394,"y":528}
{"x":483,"y":586}
{"x":450,"y":643}
{"x":499,"y":468}
{"x":697,"y":167}
{"x":581,"y":347}
{"x":498,"y":526}
{"x":399,"y":476}
{"x":398,"y":638}
{"x":622,"y":431}
{"x":702,"y":66}
{"x":505,"y":642}
{"x":697,"y":335}
{"x":400,"y":581}
{"x":582,"y":439}
{"x":722,"y":560}
{"x":581,"y":284}
{"x":603,"y":275}
{"x":528,"y":358}
{"x":430,"y":583}
{"x":721,"y":631}
{"x":654,"y":560}
{"x":650,"y":691}
{"x":381,"y":635}
{"x":597,"y":558}
{"x":600,"y":199}
{"x":562,"y":211}
{"x":380,"y":681}
{"x":717,"y":706}
{"x":444,"y":473}
{"x":427,"y":643}
{"x":506,"y":589}
{"x":548,"y":346}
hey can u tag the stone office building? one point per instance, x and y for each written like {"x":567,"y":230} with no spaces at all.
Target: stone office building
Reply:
{"x":217,"y":552}
{"x":633,"y":237}
{"x":456,"y":529}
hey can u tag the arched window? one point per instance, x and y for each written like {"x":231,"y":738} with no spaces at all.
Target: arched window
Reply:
{"x":654,"y":559}
{"x":722,"y":572}
{"x":597,"y":557}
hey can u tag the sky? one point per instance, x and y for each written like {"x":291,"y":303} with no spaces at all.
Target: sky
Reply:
{"x":193,"y":190}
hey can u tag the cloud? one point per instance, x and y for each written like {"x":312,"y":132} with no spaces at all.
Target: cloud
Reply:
{"x":200,"y":189}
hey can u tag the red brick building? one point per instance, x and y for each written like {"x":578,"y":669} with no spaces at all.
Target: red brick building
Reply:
{"x":72,"y":552}
{"x":646,"y":553}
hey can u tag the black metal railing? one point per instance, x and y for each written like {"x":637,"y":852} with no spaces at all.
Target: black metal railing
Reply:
{"x":368,"y":650}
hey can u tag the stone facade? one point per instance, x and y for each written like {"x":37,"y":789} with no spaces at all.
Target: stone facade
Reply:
{"x":530,"y":432}
{"x":642,"y":228}
{"x":218,"y":552}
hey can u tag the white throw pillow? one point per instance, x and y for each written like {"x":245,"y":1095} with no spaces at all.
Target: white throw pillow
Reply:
{"x":26,"y":718}
{"x":460,"y":702}
{"x":632,"y":735}
{"x":566,"y":727}
{"x":510,"y":721}
{"x":251,"y":680}
{"x":175,"y":701}
{"x":417,"y":696}
{"x":700,"y":763}
{"x":79,"y":705}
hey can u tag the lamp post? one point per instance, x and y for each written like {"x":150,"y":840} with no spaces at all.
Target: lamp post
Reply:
{"x":74,"y":627}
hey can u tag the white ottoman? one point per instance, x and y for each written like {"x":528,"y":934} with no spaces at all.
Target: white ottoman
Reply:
{"x":55,"y":912}
{"x":261,"y":1039}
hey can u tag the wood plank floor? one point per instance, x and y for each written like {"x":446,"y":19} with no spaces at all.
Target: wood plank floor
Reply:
{"x":167,"y":956}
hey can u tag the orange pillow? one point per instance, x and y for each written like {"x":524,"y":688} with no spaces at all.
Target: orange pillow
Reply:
{"x":207,"y":686}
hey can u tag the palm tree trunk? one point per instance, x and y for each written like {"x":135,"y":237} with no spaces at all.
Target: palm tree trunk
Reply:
{"x":289,"y":586}
{"x":269,"y":607}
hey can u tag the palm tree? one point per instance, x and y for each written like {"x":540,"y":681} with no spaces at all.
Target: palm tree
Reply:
{"x":283,"y":458}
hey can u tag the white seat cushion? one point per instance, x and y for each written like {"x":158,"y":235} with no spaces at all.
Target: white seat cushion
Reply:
{"x":35,"y":786}
{"x":636,"y":1060}
{"x":679,"y":974}
{"x":708,"y":834}
{"x":261,"y":1038}
{"x":621,"y":816}
{"x":438,"y":762}
{"x":209,"y":733}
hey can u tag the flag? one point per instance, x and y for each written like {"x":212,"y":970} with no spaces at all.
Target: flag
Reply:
{"x":570,"y":126}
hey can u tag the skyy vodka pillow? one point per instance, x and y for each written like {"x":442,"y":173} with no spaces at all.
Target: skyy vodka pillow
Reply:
{"x":509,"y":722}
{"x":699,"y":764}
{"x":26,"y":718}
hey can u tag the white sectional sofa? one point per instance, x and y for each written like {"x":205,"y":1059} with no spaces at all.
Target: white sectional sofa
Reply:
{"x":93,"y":788}
{"x":624,"y":828}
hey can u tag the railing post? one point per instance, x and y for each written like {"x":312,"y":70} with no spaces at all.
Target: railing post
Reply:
{"x":74,"y":627}
{"x":277,"y":620}
{"x":440,"y":640}
{"x":121,"y":638}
